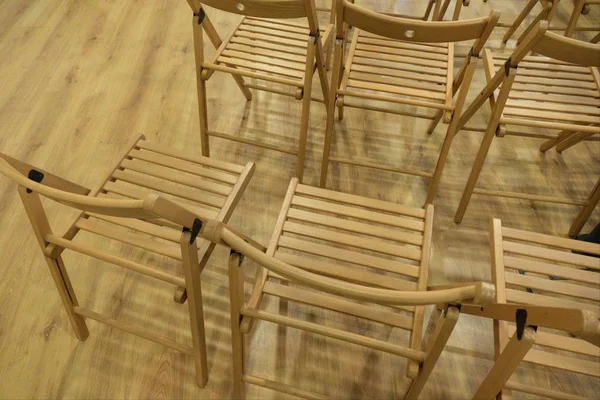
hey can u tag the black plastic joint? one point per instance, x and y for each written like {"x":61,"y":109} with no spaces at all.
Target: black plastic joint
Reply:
{"x":35,"y":176}
{"x":201,"y":14}
{"x":196,"y":227}
{"x":507,"y":66}
{"x":521,"y":320}
{"x":232,"y":252}
{"x":316,"y":35}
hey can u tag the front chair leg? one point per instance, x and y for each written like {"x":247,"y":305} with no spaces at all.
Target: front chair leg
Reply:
{"x":236,"y":302}
{"x":436,"y":345}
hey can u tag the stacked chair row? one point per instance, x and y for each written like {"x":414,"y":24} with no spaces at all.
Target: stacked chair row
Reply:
{"x":340,"y":252}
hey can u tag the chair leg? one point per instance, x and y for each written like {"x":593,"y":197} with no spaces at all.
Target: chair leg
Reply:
{"x":438,"y":341}
{"x":306,"y":99}
{"x":550,"y":143}
{"x":485,"y":144}
{"x":41,"y":228}
{"x":436,"y":120}
{"x":579,"y":4}
{"x":572,"y":141}
{"x":201,"y":87}
{"x":519,"y":20}
{"x":541,"y":16}
{"x":236,"y":301}
{"x":452,"y":129}
{"x":331,"y":110}
{"x":506,"y":364}
{"x":586,"y":211}
{"x":191,"y":270}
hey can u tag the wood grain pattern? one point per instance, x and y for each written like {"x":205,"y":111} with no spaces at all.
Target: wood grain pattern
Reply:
{"x":79,"y":79}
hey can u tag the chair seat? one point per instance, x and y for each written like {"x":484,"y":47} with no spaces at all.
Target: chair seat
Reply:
{"x":398,"y":70}
{"x":208,"y":187}
{"x":268,"y":47}
{"x":353,"y":239}
{"x":553,"y":92}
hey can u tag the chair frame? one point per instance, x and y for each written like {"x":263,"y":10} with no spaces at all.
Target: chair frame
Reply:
{"x":35,"y":183}
{"x":533,"y":313}
{"x":458,"y":83}
{"x":553,"y":46}
{"x":317,"y":51}
{"x":549,"y":9}
{"x":243,"y":315}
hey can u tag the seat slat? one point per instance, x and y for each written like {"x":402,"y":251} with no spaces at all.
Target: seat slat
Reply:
{"x":274,"y":24}
{"x":358,"y":227}
{"x":158,"y":172}
{"x":372,"y":35}
{"x":335,"y":303}
{"x":561,"y":342}
{"x":552,"y":255}
{"x":551,"y":115}
{"x":274,"y":31}
{"x":551,"y":286}
{"x":552,"y":81}
{"x":563,"y":362}
{"x":555,"y":75}
{"x":186,"y":166}
{"x":347,"y":273}
{"x":400,"y":59}
{"x":209,"y":162}
{"x":381,"y":49}
{"x":279,"y":48}
{"x":399,"y":82}
{"x":538,"y":238}
{"x":302,"y":44}
{"x":397,"y":73}
{"x":134,"y":193}
{"x":517,"y":296}
{"x":552,"y":98}
{"x":267,"y":60}
{"x":396,"y":90}
{"x":352,"y":257}
{"x":355,"y":200}
{"x":399,"y":66}
{"x":556,"y":90}
{"x":547,"y":106}
{"x":358,"y":213}
{"x":124,"y":236}
{"x":381,"y":43}
{"x":353,"y":241}
{"x":571,"y":273}
{"x":261,"y":67}
{"x":267,"y":52}
{"x":142,"y":226}
{"x":524,"y":65}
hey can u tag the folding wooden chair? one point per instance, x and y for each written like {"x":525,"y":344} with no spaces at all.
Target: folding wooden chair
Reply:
{"x":552,"y":289}
{"x":559,"y":91}
{"x":352,"y":256}
{"x":549,"y":10}
{"x":117,"y":209}
{"x":267,"y":47}
{"x":401,"y":61}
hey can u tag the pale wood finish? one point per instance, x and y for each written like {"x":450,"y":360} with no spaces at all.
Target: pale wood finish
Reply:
{"x":509,"y":245}
{"x":268,"y":47}
{"x":69,"y":98}
{"x":537,"y":103}
{"x":106,"y":216}
{"x":402,"y":61}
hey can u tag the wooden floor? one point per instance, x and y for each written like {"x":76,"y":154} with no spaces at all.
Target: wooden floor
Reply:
{"x":80,"y":78}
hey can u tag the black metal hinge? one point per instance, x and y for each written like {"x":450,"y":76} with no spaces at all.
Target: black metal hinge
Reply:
{"x":233,"y":251}
{"x":201,"y":14}
{"x":316,"y":35}
{"x":196,"y":227}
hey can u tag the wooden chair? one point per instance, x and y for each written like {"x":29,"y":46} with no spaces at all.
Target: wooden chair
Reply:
{"x":264,"y":46}
{"x":401,"y":61}
{"x":559,"y":91}
{"x":118,"y":209}
{"x":557,"y":300}
{"x":350,"y":255}
{"x":549,"y":10}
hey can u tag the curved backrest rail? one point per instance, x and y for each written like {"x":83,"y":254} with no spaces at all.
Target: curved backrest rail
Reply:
{"x":283,"y":9}
{"x":113,"y":207}
{"x":411,"y":30}
{"x":479,"y":293}
{"x":569,"y":50}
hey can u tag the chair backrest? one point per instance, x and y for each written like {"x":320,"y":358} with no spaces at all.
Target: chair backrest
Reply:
{"x":477,"y":293}
{"x":75,"y":196}
{"x":411,"y":30}
{"x":568,"y":50}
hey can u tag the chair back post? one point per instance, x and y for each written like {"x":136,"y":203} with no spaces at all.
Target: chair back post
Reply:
{"x":312,"y":16}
